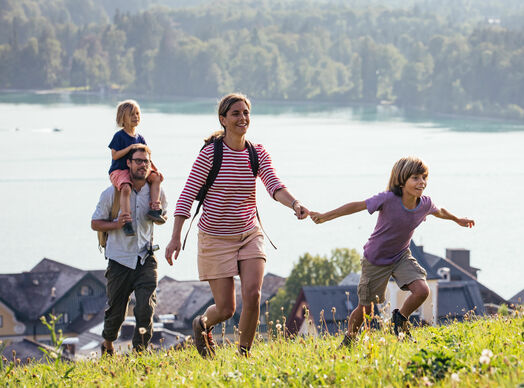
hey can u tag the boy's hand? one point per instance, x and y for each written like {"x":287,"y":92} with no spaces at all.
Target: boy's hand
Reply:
{"x":317,"y":218}
{"x":466,"y":222}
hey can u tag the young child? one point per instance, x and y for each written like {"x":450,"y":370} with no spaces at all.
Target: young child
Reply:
{"x":128,"y":118}
{"x":401,"y":209}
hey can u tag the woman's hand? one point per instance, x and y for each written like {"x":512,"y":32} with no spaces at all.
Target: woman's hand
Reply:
{"x":300,"y":210}
{"x":174,"y":246}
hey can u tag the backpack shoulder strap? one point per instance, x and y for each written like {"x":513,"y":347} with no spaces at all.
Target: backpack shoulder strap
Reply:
{"x":115,"y":208}
{"x":218,"y":154}
{"x":253,"y":157}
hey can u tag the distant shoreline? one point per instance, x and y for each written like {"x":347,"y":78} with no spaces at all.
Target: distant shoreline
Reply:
{"x":409,"y":112}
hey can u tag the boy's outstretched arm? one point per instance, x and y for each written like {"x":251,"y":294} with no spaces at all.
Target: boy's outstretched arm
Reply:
{"x":445,"y":215}
{"x":344,"y":210}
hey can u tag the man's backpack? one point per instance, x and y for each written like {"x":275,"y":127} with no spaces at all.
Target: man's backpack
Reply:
{"x":218,"y":153}
{"x":115,"y":208}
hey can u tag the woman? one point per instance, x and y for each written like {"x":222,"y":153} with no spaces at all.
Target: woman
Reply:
{"x":230,"y":241}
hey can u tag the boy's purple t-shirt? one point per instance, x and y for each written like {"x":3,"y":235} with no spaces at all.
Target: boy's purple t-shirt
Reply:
{"x":120,"y":141}
{"x":395,"y":226}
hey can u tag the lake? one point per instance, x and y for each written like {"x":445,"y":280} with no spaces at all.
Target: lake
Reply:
{"x":327,"y":155}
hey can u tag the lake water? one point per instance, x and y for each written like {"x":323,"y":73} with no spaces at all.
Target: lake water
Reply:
{"x":327,"y":155}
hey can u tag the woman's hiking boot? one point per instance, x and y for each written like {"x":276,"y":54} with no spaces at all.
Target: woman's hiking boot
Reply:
{"x":347,"y":342}
{"x":204,"y":342}
{"x":243,"y":351}
{"x":156,"y":216}
{"x":128,"y":229}
{"x":400,"y":324}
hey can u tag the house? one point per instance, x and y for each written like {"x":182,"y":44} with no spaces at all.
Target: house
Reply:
{"x":323,"y":309}
{"x":517,"y":299}
{"x":50,"y":287}
{"x":27,"y":350}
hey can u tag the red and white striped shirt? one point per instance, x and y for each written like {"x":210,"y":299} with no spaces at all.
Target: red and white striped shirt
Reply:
{"x":230,"y":204}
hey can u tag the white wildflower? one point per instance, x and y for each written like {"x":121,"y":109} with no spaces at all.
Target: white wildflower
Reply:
{"x":484,"y":360}
{"x":278,"y":326}
{"x":487,"y":353}
{"x":426,"y":381}
{"x":365,"y":339}
{"x":401,"y":335}
{"x":142,"y":330}
{"x":455,"y":377}
{"x":382,"y":341}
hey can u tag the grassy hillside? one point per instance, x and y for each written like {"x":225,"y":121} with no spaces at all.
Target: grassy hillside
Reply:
{"x":478,"y":352}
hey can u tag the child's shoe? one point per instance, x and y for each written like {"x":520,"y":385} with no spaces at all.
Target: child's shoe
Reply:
{"x":400,"y":323}
{"x":128,"y":229}
{"x":156,"y":216}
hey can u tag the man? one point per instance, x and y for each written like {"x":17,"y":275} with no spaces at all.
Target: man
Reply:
{"x":132,"y":265}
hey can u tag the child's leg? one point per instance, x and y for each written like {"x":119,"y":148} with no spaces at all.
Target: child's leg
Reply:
{"x":125,"y":198}
{"x":154,"y":180}
{"x":356,"y":318}
{"x":419,"y":293}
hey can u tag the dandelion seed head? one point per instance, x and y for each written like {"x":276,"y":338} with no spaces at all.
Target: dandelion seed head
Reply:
{"x":278,"y":326}
{"x":142,"y":330}
{"x":382,"y":341}
{"x":487,"y":353}
{"x":455,"y":377}
{"x":485,"y":360}
{"x":401,"y":335}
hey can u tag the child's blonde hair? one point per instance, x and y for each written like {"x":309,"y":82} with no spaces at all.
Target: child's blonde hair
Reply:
{"x":124,"y":107}
{"x":402,"y":170}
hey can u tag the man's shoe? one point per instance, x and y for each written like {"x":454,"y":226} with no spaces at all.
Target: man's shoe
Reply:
{"x":347,"y":342}
{"x":204,"y":342}
{"x":128,"y":229}
{"x":400,"y":323}
{"x":104,"y":350}
{"x":156,"y":216}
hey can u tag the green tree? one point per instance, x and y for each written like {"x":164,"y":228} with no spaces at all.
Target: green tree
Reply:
{"x":314,"y":271}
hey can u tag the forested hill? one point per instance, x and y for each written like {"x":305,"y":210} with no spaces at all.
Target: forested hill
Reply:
{"x":447,"y":56}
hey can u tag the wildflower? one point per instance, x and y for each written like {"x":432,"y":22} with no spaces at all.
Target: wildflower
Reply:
{"x":426,"y":381}
{"x":455,"y":377}
{"x":382,"y":341}
{"x":278,"y":326}
{"x":401,"y":335}
{"x":365,"y":339}
{"x":484,"y":360}
{"x":487,"y":352}
{"x":142,"y":330}
{"x":333,"y":310}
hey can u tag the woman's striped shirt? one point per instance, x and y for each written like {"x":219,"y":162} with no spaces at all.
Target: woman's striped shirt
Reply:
{"x":230,"y":204}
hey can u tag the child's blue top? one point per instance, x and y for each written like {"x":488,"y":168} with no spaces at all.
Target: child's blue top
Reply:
{"x":120,"y":141}
{"x":395,"y":226}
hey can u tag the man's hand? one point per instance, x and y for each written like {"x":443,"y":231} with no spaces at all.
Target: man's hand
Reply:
{"x":122,"y":219}
{"x":174,"y":246}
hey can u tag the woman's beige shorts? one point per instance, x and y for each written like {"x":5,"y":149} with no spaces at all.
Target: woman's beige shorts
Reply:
{"x":218,"y":256}
{"x":374,"y":279}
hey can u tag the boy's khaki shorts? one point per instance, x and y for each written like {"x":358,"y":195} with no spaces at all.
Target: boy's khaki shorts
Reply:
{"x":374,"y":278}
{"x":218,"y":256}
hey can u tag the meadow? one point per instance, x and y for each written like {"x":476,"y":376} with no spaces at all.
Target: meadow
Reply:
{"x":478,"y":352}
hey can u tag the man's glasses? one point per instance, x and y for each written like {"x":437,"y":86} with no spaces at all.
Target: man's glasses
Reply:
{"x":141,"y":161}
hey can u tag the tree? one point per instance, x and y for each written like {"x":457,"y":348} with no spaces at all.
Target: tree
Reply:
{"x":314,"y":271}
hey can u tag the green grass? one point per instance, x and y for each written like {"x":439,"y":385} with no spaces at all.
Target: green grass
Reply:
{"x":447,"y":356}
